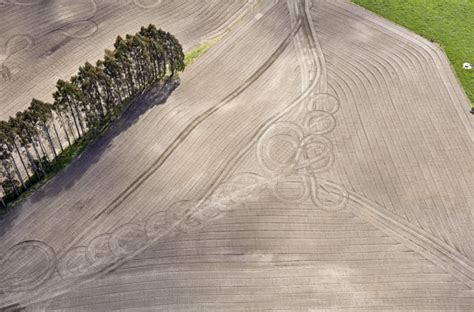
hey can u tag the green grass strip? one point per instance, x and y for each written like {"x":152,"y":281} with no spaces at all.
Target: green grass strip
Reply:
{"x":196,"y":52}
{"x":449,"y":23}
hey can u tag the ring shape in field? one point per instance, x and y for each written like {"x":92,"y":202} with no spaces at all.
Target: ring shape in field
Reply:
{"x":291,"y":189}
{"x":98,"y":252}
{"x":147,"y":4}
{"x":328,"y":195}
{"x":319,"y":122}
{"x":14,"y":44}
{"x":278,"y":147}
{"x":155,"y":225}
{"x":315,"y":154}
{"x":79,"y":30}
{"x":324,"y":102}
{"x":75,"y":264}
{"x":26,"y":266}
{"x":21,"y":2}
{"x":127,"y":239}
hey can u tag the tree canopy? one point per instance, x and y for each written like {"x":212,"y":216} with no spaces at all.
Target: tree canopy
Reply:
{"x":88,"y":102}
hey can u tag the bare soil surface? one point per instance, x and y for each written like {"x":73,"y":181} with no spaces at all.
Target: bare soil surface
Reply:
{"x":316,"y":158}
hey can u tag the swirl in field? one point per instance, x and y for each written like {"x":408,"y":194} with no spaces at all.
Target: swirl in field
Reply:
{"x":74,"y":264}
{"x":20,"y":2}
{"x":319,"y":122}
{"x":295,"y":153}
{"x":14,"y":45}
{"x":315,"y":154}
{"x":291,"y":189}
{"x":324,"y":102}
{"x":98,"y":251}
{"x":79,"y":30}
{"x":328,"y":195}
{"x":147,"y":4}
{"x":26,"y":266}
{"x":127,"y":239}
{"x":278,"y":148}
{"x":156,"y":225}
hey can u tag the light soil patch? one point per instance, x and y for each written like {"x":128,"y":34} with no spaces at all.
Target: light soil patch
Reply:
{"x":314,"y":158}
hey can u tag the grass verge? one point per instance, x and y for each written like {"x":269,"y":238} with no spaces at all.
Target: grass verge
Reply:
{"x":449,"y":23}
{"x":196,"y":52}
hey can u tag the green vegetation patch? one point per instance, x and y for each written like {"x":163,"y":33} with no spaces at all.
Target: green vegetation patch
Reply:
{"x":196,"y":52}
{"x":449,"y":23}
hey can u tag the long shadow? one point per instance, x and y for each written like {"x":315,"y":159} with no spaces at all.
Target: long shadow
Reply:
{"x":67,"y":177}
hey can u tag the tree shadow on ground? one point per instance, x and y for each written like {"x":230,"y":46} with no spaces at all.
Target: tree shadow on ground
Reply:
{"x":153,"y":96}
{"x":68,"y":176}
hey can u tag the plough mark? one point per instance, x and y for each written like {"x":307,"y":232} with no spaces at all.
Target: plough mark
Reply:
{"x":26,"y":266}
{"x":193,"y":125}
{"x":14,"y":45}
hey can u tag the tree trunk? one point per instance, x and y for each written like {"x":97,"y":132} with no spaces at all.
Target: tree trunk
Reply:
{"x":18,"y":172}
{"x":32,"y":142}
{"x":75,"y":121}
{"x":79,"y":118}
{"x":43,"y":149}
{"x":48,"y":135}
{"x":59,"y":138}
{"x":22,"y":161}
{"x":61,"y":118}
{"x":9,"y":176}
{"x":32,"y":162}
{"x":40,"y":160}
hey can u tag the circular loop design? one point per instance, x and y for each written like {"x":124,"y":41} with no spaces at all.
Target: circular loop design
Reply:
{"x":278,"y":147}
{"x":291,"y":189}
{"x":147,"y":4}
{"x":319,"y":122}
{"x":324,"y":102}
{"x":328,"y":195}
{"x":17,"y":43}
{"x":20,"y":2}
{"x":156,"y":225}
{"x":26,"y":266}
{"x":75,"y":264}
{"x":316,"y":154}
{"x":127,"y":238}
{"x":26,"y":2}
{"x":209,"y":211}
{"x":98,"y":252}
{"x":79,"y":30}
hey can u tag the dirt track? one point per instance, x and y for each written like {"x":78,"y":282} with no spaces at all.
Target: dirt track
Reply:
{"x":318,"y":157}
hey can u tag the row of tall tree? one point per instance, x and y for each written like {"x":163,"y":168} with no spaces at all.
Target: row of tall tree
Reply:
{"x":31,"y":140}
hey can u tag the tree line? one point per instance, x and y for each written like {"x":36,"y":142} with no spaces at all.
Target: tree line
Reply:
{"x":31,"y":140}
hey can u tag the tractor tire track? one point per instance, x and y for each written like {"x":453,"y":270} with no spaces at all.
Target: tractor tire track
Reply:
{"x":316,"y":55}
{"x":194,"y":124}
{"x":432,"y":248}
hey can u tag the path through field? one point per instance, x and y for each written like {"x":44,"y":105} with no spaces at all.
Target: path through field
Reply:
{"x":317,"y":157}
